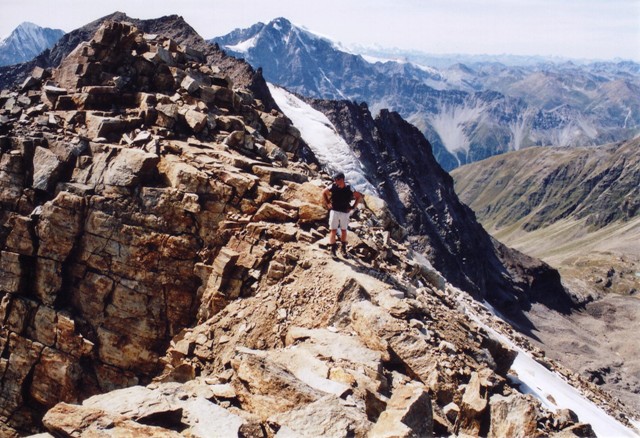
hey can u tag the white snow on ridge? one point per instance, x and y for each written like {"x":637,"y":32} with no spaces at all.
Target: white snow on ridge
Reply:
{"x":321,"y":136}
{"x":244,"y":46}
{"x":552,"y":389}
{"x":555,"y":393}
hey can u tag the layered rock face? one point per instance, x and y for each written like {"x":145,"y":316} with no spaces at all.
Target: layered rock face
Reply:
{"x":103,"y":217}
{"x":163,"y":273}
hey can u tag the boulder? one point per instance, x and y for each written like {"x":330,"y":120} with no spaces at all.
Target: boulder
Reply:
{"x":273,"y":213}
{"x":196,"y":120}
{"x":183,"y":176}
{"x":60,"y":225}
{"x":330,"y":416}
{"x":473,"y":407}
{"x":273,"y":175}
{"x":108,"y":127}
{"x":380,"y":331}
{"x":266,"y":388}
{"x":75,"y":421}
{"x":408,"y":414}
{"x":46,"y":169}
{"x":310,"y":213}
{"x":131,"y":167}
{"x":219,"y":96}
{"x":515,"y":415}
{"x":424,"y":269}
{"x":168,"y":115}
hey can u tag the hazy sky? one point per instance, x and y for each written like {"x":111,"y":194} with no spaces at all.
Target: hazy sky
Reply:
{"x":593,"y":29}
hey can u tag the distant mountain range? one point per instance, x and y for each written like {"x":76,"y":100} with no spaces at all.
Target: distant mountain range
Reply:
{"x":467,"y":112}
{"x":448,"y":59}
{"x":27,"y":41}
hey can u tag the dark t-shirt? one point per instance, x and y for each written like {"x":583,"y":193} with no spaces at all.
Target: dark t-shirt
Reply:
{"x":341,"y":197}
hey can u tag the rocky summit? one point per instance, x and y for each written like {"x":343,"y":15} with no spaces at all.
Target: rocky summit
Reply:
{"x":164,"y":272}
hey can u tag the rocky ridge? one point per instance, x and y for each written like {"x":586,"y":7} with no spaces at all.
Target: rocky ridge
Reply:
{"x":157,"y":216}
{"x":102,"y":219}
{"x":171,"y":26}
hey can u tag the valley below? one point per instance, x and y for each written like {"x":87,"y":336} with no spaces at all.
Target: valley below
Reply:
{"x":599,"y":265}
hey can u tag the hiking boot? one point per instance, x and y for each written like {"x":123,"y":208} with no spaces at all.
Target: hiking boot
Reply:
{"x":334,"y":248}
{"x":343,"y":249}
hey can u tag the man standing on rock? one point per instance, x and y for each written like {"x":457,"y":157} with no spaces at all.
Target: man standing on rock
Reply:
{"x":337,"y":199}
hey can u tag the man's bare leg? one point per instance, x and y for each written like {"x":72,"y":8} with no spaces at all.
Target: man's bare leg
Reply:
{"x":332,"y":241}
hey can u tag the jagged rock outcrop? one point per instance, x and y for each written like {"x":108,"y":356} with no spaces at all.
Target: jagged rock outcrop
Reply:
{"x":172,"y":26}
{"x":164,"y":272}
{"x":104,"y":220}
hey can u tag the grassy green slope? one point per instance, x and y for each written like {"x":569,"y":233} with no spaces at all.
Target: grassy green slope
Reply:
{"x":577,"y":209}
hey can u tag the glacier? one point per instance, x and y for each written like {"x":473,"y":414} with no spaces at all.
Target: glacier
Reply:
{"x":321,"y":136}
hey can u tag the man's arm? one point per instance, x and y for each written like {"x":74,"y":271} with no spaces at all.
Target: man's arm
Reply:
{"x":358,"y":197}
{"x":326,"y":198}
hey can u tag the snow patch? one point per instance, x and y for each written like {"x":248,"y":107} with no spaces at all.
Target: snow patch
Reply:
{"x":321,"y":136}
{"x":552,"y":389}
{"x":244,"y":46}
{"x":374,"y":59}
{"x":555,"y":393}
{"x":431,"y":70}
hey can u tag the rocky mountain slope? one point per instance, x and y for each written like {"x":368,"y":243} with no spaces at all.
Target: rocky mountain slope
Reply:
{"x":162,"y":235}
{"x":578,"y":210}
{"x":398,"y":160}
{"x":26,"y":42}
{"x":467,"y":113}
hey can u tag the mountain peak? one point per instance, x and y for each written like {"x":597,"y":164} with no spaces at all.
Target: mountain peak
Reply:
{"x":281,"y":22}
{"x":27,"y":41}
{"x":27,"y":25}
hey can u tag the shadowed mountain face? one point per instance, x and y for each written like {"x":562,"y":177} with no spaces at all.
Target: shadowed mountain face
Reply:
{"x":466,"y":113}
{"x":578,"y":210}
{"x":398,"y":161}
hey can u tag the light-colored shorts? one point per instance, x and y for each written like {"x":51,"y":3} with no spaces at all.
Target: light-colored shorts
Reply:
{"x":338,"y":219}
